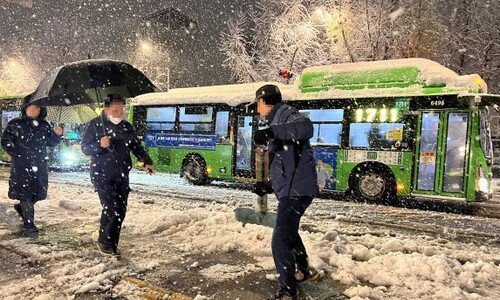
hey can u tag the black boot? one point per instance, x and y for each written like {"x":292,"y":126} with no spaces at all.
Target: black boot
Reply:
{"x":30,"y":228}
{"x":18,"y":209}
{"x":283,"y":294}
{"x":309,"y":273}
{"x":106,"y":249}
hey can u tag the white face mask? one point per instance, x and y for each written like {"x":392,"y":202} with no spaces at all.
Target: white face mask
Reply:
{"x":115,"y":120}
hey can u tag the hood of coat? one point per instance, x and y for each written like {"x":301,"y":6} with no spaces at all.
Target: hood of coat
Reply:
{"x":41,"y":116}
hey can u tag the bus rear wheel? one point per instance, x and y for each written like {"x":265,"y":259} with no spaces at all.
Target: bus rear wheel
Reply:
{"x":371,"y":184}
{"x":194,"y":168}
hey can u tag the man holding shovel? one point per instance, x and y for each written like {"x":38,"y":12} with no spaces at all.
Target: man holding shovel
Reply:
{"x":294,"y":180}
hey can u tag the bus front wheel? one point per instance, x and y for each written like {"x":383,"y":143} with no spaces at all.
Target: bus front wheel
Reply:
{"x":194,"y":168}
{"x":374,"y":184}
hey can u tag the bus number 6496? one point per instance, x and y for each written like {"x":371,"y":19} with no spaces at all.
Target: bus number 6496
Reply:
{"x":437,"y":103}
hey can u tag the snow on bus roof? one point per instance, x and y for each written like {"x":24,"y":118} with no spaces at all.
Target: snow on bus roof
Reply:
{"x":397,"y":77}
{"x":427,"y":66}
{"x":233,"y":94}
{"x":375,"y":79}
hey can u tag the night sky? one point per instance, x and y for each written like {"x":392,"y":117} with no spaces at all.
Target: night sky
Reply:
{"x":54,"y":32}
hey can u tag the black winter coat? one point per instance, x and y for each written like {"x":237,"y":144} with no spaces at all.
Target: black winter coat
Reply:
{"x":26,"y":141}
{"x":291,"y":158}
{"x":113,"y":163}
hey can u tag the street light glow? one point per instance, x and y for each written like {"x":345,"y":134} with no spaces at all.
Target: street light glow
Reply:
{"x":154,"y":61}
{"x":319,"y":11}
{"x":12,"y":63}
{"x":146,"y":46}
{"x":17,"y":76}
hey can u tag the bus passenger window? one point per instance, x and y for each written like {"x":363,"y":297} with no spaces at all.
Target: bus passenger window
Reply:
{"x":327,"y":126}
{"x":324,"y":115}
{"x":7,"y":116}
{"x":196,"y":118}
{"x":160,"y":118}
{"x":167,"y":126}
{"x":154,"y":126}
{"x":375,"y":135}
{"x":190,"y":114}
{"x":195,"y":127}
{"x":160,"y":114}
{"x":327,"y":134}
{"x":221,"y":127}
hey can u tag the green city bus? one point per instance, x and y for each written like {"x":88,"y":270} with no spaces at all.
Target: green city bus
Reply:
{"x":384,"y":129}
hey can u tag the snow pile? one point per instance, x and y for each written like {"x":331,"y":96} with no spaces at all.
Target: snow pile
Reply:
{"x":378,"y":267}
{"x":372,"y":261}
{"x":198,"y":230}
{"x":225,"y":272}
{"x":34,"y":252}
{"x":81,"y":276}
{"x":383,"y":268}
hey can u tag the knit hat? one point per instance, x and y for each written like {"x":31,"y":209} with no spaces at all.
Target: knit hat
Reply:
{"x":113,"y":98}
{"x":269,"y":93}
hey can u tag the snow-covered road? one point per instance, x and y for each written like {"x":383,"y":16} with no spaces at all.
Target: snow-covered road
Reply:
{"x":182,"y":237}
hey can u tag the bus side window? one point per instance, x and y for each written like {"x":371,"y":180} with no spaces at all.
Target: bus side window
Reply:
{"x":160,"y":118}
{"x":7,"y":116}
{"x":196,"y":118}
{"x":374,"y":135}
{"x":221,"y":127}
{"x":327,"y":125}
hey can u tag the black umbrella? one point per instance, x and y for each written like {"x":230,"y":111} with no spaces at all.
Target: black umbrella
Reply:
{"x":82,"y":82}
{"x":74,"y":114}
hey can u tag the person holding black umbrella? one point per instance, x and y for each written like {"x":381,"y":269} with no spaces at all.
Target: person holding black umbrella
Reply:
{"x":26,"y":140}
{"x":109,"y":139}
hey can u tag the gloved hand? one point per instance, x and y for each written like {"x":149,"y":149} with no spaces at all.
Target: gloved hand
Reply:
{"x":262,"y":188}
{"x":261,"y":136}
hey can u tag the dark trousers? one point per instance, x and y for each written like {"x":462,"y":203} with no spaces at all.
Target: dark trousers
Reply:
{"x":288,"y":249}
{"x":113,"y":195}
{"x":28,"y":212}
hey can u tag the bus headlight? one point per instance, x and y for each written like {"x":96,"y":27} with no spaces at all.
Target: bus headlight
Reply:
{"x":482,"y":183}
{"x":69,"y":155}
{"x":68,"y":158}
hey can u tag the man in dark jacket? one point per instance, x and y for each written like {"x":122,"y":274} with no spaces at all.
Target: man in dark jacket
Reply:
{"x":293,"y":179}
{"x":26,"y":140}
{"x":109,"y":139}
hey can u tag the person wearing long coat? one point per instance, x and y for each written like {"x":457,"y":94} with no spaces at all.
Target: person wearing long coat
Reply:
{"x":108,"y":140}
{"x":293,"y":178}
{"x":26,"y":140}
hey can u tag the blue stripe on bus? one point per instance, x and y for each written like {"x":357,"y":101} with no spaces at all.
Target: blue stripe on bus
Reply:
{"x":189,"y":141}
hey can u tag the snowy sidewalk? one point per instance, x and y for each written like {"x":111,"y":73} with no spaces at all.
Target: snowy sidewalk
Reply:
{"x":187,"y":240}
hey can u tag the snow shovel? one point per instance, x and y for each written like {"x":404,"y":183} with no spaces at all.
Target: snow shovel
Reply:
{"x":260,"y":214}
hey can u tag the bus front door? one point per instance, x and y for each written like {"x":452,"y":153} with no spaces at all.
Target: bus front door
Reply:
{"x":442,"y":151}
{"x":243,"y":162}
